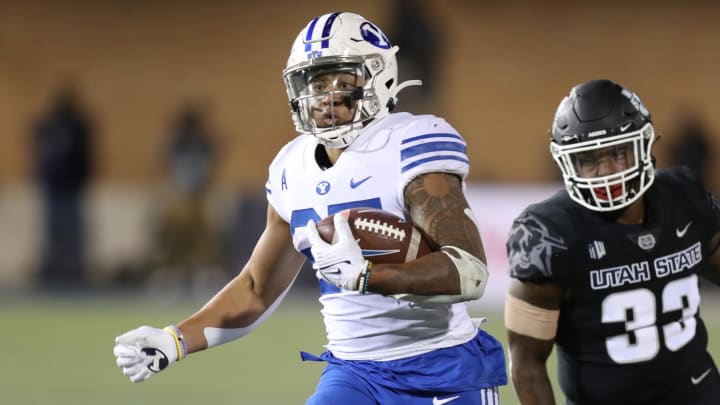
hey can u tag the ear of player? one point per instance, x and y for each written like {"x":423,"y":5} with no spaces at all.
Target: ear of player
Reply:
{"x":145,"y":351}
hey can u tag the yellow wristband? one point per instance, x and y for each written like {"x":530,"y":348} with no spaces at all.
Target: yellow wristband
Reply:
{"x":179,"y":341}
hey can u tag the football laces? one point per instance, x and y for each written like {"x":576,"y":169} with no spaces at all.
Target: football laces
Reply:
{"x":380,"y":228}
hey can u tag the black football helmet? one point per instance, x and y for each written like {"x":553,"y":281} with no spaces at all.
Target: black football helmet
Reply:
{"x":597,"y":116}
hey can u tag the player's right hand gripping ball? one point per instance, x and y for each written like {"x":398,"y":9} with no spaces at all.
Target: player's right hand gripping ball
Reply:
{"x":382,"y":236}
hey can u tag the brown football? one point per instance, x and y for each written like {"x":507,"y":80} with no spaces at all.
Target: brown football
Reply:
{"x":383,"y":237}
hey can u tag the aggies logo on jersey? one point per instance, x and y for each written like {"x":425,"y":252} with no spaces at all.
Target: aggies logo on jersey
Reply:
{"x":531,"y":246}
{"x":646,"y":241}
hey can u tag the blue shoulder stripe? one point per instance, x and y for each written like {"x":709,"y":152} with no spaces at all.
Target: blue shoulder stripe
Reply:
{"x":433,"y":158}
{"x":430,"y":147}
{"x":425,"y":136}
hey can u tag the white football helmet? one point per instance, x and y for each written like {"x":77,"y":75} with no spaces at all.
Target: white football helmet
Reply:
{"x":342,"y":42}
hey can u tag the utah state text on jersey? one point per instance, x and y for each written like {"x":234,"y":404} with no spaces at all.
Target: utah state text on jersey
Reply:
{"x":639,"y":272}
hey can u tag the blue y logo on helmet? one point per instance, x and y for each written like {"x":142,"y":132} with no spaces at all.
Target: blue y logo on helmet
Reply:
{"x":371,"y":33}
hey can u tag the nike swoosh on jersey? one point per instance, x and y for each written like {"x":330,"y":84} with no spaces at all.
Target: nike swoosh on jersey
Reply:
{"x":438,"y":401}
{"x":702,"y":376}
{"x":354,"y":184}
{"x":681,"y":232}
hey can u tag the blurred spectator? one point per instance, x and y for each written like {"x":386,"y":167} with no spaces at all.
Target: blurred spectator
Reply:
{"x":420,"y":42}
{"x":62,"y":155}
{"x":186,"y":245}
{"x":692,"y":147}
{"x":190,"y":152}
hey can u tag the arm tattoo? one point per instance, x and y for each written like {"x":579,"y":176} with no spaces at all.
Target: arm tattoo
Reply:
{"x":438,"y":206}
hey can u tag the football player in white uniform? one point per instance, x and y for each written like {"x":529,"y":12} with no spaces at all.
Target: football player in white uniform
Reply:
{"x":397,"y":333}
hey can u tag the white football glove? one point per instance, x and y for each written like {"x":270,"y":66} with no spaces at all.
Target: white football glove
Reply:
{"x":342,"y":263}
{"x":145,"y":351}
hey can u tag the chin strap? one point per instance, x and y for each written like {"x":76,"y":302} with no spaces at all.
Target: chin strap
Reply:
{"x":407,"y":83}
{"x":392,"y":102}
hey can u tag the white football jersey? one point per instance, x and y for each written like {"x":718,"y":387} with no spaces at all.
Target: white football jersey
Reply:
{"x":372,"y":172}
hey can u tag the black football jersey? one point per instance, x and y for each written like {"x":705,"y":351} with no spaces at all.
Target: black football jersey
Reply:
{"x":629,"y":322}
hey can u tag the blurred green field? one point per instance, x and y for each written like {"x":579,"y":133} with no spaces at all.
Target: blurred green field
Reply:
{"x":59,"y":351}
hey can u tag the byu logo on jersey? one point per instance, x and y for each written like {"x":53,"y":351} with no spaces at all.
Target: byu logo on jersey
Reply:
{"x":322,"y":188}
{"x":371,"y":33}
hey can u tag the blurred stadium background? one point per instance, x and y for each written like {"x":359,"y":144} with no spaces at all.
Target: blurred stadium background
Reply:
{"x":495,"y":70}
